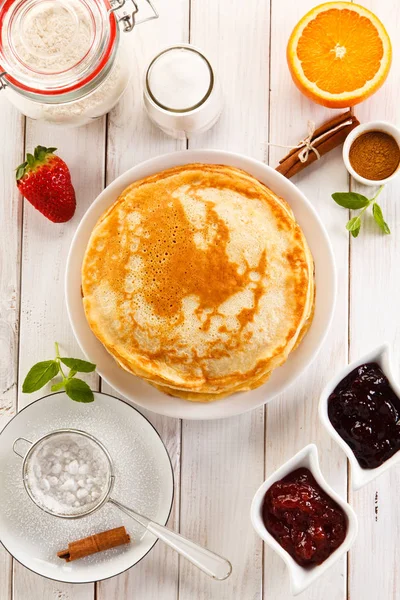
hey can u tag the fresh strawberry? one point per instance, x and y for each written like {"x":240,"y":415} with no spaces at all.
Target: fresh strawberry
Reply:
{"x":45,"y":181}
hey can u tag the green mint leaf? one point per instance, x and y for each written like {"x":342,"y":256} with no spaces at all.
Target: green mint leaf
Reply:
{"x":355,"y":232}
{"x":39,"y":375}
{"x":378,"y":216}
{"x":56,"y":387}
{"x":350,"y":200}
{"x":78,"y":365}
{"x":72,"y":374}
{"x":79,"y":390}
{"x":354,"y":224}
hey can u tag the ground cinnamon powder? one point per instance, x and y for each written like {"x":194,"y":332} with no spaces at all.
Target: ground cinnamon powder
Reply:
{"x":374,"y":155}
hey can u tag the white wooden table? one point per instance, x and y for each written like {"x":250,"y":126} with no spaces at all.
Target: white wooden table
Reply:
{"x":218,"y":465}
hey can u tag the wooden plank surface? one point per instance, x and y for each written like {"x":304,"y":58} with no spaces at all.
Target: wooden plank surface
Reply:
{"x":291,"y":420}
{"x":218,"y":465}
{"x":12,"y":128}
{"x":131,"y":139}
{"x":374,"y":318}
{"x":43,"y":311}
{"x":222,"y":461}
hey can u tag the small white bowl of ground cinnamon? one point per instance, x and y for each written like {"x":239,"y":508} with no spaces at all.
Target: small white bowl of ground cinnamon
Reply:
{"x":371,"y":153}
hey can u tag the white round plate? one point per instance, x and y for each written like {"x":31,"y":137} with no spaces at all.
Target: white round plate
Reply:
{"x":143,"y":480}
{"x":144,"y":394}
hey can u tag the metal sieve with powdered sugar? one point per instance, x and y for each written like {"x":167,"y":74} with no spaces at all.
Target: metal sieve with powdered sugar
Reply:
{"x":67,"y":473}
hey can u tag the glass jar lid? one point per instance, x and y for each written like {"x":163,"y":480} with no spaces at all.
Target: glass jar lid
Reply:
{"x":55,"y":46}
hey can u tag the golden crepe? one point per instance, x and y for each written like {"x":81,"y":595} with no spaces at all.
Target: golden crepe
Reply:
{"x":254,"y":383}
{"x":199,"y":280}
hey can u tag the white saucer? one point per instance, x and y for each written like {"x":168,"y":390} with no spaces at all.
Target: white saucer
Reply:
{"x":143,"y":480}
{"x":142,"y":393}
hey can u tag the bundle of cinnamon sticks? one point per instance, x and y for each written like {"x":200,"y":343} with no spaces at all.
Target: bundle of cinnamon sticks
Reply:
{"x":326,"y":137}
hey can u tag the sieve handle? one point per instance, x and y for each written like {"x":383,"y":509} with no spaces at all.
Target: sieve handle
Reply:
{"x":210,"y":563}
{"x":20,"y":439}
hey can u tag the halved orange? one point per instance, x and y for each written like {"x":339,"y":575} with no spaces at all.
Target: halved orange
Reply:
{"x":339,"y":54}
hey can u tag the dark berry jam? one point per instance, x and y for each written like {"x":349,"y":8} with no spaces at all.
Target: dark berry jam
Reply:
{"x":365,"y":411}
{"x":306,"y":522}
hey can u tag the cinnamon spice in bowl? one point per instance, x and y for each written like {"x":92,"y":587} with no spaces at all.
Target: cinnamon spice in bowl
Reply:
{"x":371,"y":153}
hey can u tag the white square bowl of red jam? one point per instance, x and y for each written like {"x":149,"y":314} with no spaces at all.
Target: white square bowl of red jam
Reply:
{"x":360,"y":408}
{"x":303,"y":519}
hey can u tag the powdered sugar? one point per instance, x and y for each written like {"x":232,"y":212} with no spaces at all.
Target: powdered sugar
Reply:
{"x":68,"y":474}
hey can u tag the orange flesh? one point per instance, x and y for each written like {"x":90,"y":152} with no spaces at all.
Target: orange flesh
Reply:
{"x":336,"y":32}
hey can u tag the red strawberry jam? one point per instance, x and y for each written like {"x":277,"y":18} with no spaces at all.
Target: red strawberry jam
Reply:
{"x":306,"y":522}
{"x":365,"y":411}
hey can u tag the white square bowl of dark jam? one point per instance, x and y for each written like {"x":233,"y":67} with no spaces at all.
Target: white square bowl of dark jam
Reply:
{"x":302,"y":577}
{"x":360,"y":475}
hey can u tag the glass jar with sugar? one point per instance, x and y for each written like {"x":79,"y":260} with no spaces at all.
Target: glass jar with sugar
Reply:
{"x":63,"y":61}
{"x":182,"y":95}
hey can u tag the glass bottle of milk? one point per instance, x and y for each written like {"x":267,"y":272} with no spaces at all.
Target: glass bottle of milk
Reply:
{"x":182,"y":95}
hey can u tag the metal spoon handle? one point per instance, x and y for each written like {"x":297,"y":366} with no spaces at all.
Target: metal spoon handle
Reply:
{"x":210,"y":563}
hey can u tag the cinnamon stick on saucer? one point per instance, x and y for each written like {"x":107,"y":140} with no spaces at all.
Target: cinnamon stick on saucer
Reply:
{"x":325,"y":138}
{"x":95,"y":543}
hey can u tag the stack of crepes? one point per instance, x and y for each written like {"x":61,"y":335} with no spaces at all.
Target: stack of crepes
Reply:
{"x":199,"y":280}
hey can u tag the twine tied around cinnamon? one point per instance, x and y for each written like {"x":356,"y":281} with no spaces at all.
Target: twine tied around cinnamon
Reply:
{"x":318,"y":142}
{"x":307,"y":145}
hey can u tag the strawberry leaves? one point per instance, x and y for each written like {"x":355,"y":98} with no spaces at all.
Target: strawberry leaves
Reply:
{"x":33,"y":160}
{"x":21,"y":171}
{"x":43,"y":372}
{"x":354,"y":201}
{"x":40,"y":152}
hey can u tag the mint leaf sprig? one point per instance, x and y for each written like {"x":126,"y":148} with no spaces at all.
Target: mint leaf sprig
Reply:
{"x":45,"y":371}
{"x":355,"y":201}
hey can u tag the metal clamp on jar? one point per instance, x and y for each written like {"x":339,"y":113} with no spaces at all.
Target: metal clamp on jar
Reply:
{"x":62,"y":61}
